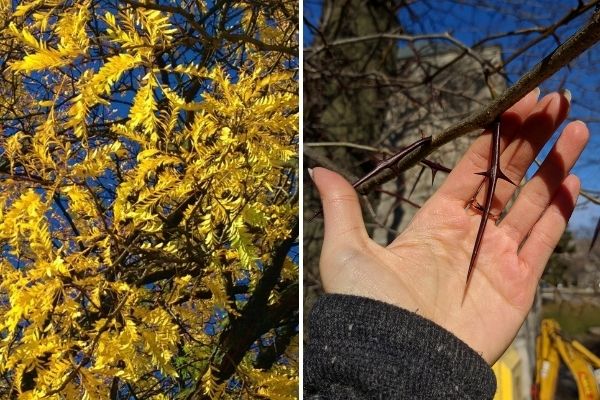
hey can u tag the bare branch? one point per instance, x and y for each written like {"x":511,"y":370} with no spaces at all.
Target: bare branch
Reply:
{"x":577,"y":44}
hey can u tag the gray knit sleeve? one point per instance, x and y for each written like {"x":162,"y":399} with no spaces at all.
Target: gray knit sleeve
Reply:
{"x":364,"y":349}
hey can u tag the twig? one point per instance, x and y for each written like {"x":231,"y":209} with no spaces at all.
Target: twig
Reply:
{"x":588,"y":196}
{"x":327,"y":163}
{"x":395,"y":36}
{"x":86,"y":358}
{"x":583,"y":192}
{"x":191,"y":19}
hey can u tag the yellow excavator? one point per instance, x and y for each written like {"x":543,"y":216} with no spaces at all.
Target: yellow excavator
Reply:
{"x":551,"y":349}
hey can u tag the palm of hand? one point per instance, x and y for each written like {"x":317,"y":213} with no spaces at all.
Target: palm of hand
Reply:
{"x":434,"y":255}
{"x":425,"y":268}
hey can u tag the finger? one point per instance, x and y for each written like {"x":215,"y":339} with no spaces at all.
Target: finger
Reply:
{"x":341,"y":209}
{"x":516,"y":159}
{"x":547,"y":231}
{"x":537,"y":193}
{"x":462,"y":181}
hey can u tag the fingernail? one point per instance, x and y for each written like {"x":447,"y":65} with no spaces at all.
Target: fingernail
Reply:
{"x":537,"y":91}
{"x":567,"y":95}
{"x":310,"y":173}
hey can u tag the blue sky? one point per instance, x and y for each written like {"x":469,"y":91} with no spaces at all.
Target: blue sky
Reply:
{"x":470,"y":24}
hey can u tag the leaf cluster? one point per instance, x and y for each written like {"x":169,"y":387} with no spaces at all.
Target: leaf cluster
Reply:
{"x":148,"y":199}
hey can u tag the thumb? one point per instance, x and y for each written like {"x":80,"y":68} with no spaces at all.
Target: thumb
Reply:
{"x":341,"y":209}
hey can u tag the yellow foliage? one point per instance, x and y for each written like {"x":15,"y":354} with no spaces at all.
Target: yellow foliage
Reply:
{"x":143,"y":110}
{"x":280,"y":383}
{"x":96,"y":85}
{"x":148,"y":173}
{"x":70,"y":29}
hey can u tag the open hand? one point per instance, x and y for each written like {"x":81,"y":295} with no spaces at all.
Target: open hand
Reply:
{"x":425,"y":268}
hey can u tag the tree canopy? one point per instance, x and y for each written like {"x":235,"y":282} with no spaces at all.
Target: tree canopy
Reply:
{"x":148,"y":199}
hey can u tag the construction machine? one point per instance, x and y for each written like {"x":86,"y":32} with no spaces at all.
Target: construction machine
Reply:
{"x":552,"y":349}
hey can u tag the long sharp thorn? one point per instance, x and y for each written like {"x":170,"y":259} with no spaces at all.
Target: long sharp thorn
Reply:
{"x":416,"y":181}
{"x":492,"y":177}
{"x":477,"y":244}
{"x":393,"y":160}
{"x":504,"y":177}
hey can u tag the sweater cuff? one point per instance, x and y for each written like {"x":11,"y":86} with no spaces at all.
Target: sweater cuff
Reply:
{"x":376,"y":350}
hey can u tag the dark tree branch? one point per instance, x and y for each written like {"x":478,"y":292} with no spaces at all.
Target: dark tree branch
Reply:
{"x":256,"y":318}
{"x":235,"y":38}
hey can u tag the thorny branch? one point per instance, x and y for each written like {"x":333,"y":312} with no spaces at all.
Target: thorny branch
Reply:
{"x":426,"y":163}
{"x":577,"y":44}
{"x":561,"y":56}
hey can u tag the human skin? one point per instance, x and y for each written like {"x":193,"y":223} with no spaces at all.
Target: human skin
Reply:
{"x":424,"y":269}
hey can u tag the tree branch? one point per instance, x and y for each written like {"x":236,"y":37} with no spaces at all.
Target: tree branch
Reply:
{"x":577,"y":44}
{"x":257,"y":317}
{"x":236,"y":38}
